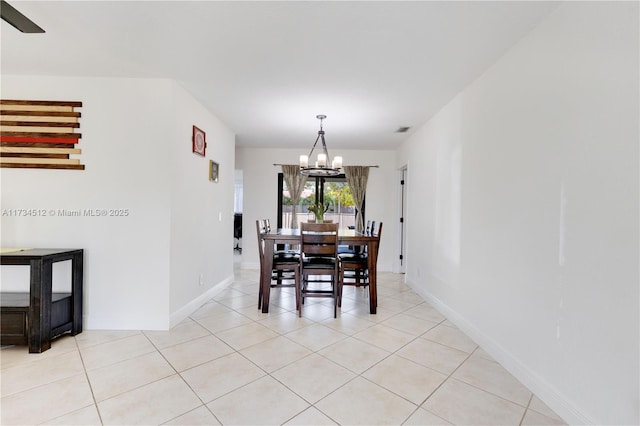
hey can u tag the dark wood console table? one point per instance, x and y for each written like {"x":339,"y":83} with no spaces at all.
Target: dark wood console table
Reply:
{"x":34,"y":318}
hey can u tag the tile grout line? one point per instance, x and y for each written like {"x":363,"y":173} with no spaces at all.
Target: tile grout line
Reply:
{"x":86,"y":373}
{"x":524,"y":414}
{"x":204,"y":404}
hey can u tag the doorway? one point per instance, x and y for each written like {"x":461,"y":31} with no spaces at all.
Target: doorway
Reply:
{"x":237,"y":217}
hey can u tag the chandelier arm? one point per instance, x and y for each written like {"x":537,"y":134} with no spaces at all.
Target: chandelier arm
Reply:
{"x":314,"y":145}
{"x":324,"y":148}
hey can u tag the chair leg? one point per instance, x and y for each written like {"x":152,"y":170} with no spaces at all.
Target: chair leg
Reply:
{"x":334,"y":292}
{"x":336,"y":289}
{"x":260,"y":287}
{"x":299,"y":295}
{"x":297,"y":282}
{"x":340,"y":288}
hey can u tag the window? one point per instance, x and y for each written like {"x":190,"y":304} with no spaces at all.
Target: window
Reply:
{"x":332,"y":190}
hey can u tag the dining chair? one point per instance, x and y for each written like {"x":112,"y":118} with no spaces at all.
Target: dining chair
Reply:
{"x":318,"y":259}
{"x":282,"y":249}
{"x":354,"y":267}
{"x":286,"y":266}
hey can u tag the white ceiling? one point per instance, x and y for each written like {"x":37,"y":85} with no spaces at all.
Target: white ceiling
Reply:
{"x":268,"y":68}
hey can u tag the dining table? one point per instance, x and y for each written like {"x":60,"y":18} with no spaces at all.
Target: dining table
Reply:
{"x":349,"y":237}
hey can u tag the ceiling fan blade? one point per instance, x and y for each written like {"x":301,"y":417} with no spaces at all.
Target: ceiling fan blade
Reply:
{"x":17,"y":19}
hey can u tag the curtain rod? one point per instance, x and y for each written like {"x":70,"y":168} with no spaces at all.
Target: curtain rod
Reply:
{"x":276,"y":164}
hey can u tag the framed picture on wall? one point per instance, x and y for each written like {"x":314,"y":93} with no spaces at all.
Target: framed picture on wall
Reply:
{"x":214,"y":172}
{"x":199,"y":142}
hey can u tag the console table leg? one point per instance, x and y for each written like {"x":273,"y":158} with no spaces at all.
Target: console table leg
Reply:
{"x":76,"y":292}
{"x":40,"y":306}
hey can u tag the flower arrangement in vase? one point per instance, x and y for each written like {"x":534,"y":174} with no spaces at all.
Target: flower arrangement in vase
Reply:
{"x":318,"y":210}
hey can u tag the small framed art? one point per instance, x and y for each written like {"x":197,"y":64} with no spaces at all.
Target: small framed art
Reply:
{"x":199,"y":141}
{"x":214,"y":172}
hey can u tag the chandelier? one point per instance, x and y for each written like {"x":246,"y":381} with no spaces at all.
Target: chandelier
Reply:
{"x":321,"y":167}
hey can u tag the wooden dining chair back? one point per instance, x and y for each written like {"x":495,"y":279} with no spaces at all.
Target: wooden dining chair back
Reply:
{"x":354,"y":267}
{"x":318,"y":259}
{"x":286,"y":265}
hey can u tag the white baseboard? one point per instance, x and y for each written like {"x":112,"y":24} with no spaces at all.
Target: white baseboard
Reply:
{"x":184,"y":312}
{"x":544,"y":390}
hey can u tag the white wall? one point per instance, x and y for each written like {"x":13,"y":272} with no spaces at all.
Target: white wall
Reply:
{"x":128,"y":146}
{"x":260,"y":185}
{"x":528,"y":199}
{"x":201,"y":210}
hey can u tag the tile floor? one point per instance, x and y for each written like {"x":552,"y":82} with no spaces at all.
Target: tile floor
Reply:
{"x":230,"y":364}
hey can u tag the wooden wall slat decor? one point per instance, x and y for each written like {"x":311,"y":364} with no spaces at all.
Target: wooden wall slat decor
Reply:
{"x":11,"y":123}
{"x":41,"y":145}
{"x":33,"y":113}
{"x":38,"y":160}
{"x":53,"y":133}
{"x":33,"y":155}
{"x":34,"y":130}
{"x":38,"y":150}
{"x":39,"y":134}
{"x":41,"y":103}
{"x":42,"y":166}
{"x":39,"y":139}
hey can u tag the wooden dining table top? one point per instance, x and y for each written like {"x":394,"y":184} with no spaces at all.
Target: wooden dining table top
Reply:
{"x":347,"y":235}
